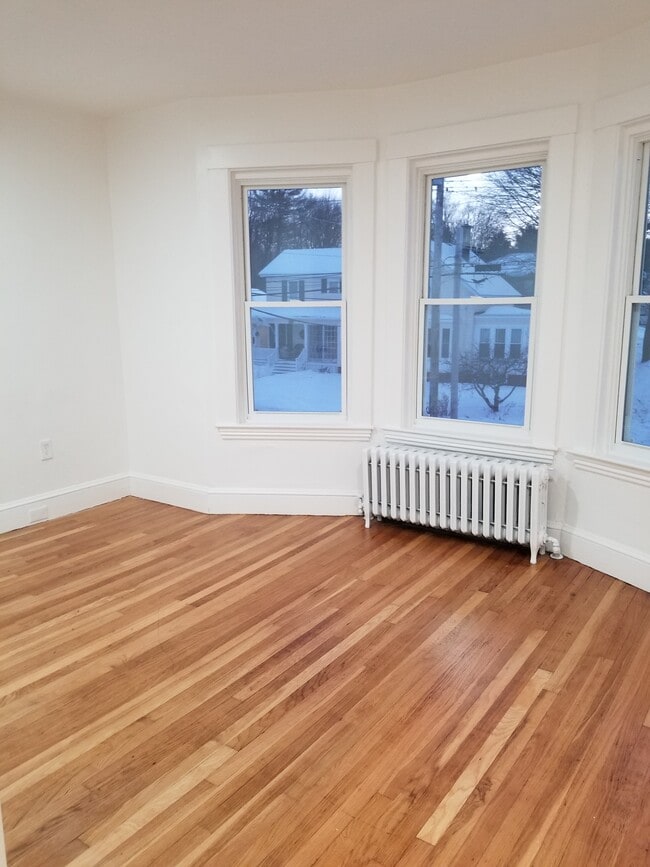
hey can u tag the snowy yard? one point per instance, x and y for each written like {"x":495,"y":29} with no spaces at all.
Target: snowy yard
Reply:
{"x":303,"y":391}
{"x":472,"y":407}
{"x":637,"y":426}
{"x":311,"y":391}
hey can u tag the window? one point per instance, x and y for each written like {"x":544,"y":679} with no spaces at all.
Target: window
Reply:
{"x":477,"y":299}
{"x":294,"y":298}
{"x":483,"y":343}
{"x":636,"y":374}
{"x":500,"y":343}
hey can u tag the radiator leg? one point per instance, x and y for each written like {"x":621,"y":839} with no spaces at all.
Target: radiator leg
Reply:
{"x":367,"y":518}
{"x":553,"y":545}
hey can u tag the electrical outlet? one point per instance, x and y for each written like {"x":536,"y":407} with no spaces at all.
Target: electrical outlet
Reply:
{"x":46,"y":450}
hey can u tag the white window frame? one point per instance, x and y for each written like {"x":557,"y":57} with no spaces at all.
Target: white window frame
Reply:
{"x":633,"y":263}
{"x":423,"y":175}
{"x":350,"y":162}
{"x":293,"y":180}
{"x":546,"y":136}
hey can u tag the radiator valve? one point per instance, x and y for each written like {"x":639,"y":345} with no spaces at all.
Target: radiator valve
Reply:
{"x":551,"y":544}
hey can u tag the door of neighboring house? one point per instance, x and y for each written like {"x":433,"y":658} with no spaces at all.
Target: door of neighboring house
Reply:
{"x":290,"y":340}
{"x":324,"y":343}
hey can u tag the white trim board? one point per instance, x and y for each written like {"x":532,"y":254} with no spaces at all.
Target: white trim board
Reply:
{"x":245,"y":501}
{"x":622,"y":562}
{"x":467,"y":445}
{"x":324,"y":433}
{"x":612,"y":558}
{"x":528,"y":126}
{"x":64,"y":501}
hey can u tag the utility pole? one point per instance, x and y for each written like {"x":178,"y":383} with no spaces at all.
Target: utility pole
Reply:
{"x":461,"y":254}
{"x":432,"y":368}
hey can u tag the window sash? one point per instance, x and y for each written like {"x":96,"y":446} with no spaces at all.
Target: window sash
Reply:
{"x":634,"y":298}
{"x":279,"y":307}
{"x":293,"y":296}
{"x":509,"y":349}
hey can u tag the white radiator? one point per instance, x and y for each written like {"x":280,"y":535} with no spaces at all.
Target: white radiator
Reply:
{"x":496,"y":499}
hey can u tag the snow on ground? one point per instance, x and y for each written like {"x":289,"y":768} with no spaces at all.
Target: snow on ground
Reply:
{"x":472,"y":407}
{"x":636,"y":428}
{"x":311,"y":391}
{"x":303,"y":391}
{"x":639,"y":424}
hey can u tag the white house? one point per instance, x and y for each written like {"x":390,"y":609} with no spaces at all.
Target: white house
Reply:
{"x":491,"y":330}
{"x":305,"y":275}
{"x":307,"y":337}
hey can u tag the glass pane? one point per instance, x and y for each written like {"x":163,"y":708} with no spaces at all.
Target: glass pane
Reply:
{"x":296,"y":359}
{"x":295,"y":243}
{"x":636,"y":422}
{"x":483,"y":376}
{"x":483,"y":234}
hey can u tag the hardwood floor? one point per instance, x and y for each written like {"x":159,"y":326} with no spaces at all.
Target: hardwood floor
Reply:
{"x":185,"y":689}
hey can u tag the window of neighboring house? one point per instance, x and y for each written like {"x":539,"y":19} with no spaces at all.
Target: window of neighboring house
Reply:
{"x":500,"y":343}
{"x":515,"y":343}
{"x":481,"y":233}
{"x":635,"y":420}
{"x":444,"y":343}
{"x":483,"y":344}
{"x":293,"y":237}
{"x":330,"y":286}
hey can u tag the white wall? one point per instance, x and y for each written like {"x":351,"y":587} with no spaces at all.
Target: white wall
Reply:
{"x":59,"y":345}
{"x":176,"y":289}
{"x":176,"y":292}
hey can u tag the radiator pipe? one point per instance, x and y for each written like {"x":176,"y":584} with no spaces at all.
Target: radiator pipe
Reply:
{"x":553,"y":545}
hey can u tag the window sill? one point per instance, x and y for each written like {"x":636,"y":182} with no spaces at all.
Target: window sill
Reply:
{"x":307,"y":432}
{"x":468,"y":445}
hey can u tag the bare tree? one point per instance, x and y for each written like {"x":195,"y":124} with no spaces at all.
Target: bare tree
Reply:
{"x":486,"y":223}
{"x":493,"y":379}
{"x":516,"y":195}
{"x":282,"y":219}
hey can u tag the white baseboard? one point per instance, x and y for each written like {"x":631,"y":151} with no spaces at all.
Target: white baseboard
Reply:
{"x":627,"y":564}
{"x":173,"y":493}
{"x":65,"y":501}
{"x":244,"y":501}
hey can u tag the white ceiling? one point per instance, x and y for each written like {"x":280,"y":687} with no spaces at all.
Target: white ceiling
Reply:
{"x":112,"y":55}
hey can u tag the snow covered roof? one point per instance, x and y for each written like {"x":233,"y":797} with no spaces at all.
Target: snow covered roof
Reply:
{"x":500,"y":310}
{"x":516,"y":264}
{"x":298,"y":314}
{"x":321,"y":261}
{"x":480,"y":284}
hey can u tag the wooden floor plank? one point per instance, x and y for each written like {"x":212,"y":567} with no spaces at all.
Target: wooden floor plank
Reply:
{"x":186,"y":689}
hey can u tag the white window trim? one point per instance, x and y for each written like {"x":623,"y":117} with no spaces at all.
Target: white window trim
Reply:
{"x":279,"y":179}
{"x":549,"y":135}
{"x":641,"y":166}
{"x":555,"y":154}
{"x":626,"y":181}
{"x":346,"y":162}
{"x":422,"y":171}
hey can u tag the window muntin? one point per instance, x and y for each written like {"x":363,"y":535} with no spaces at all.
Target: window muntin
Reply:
{"x":636,"y":373}
{"x":479,"y":282}
{"x":295,"y":309}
